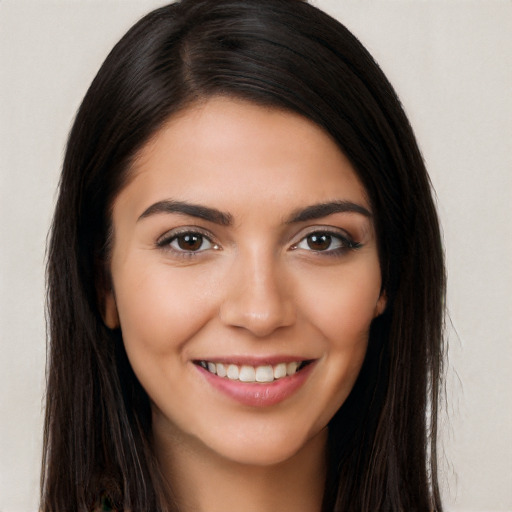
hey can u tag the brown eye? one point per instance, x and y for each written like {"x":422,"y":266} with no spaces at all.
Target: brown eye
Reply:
{"x":189,"y":242}
{"x":326,"y":242}
{"x":319,"y":241}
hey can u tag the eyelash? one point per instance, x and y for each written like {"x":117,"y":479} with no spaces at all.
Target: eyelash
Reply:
{"x":346,"y":243}
{"x":165,"y":242}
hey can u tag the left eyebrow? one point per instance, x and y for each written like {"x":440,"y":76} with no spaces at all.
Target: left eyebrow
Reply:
{"x":317,"y":211}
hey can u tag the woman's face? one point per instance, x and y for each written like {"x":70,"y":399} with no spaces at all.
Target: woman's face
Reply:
{"x":244,"y":245}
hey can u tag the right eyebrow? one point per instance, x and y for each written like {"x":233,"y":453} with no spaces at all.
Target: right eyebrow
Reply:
{"x":317,"y":211}
{"x":185,"y":208}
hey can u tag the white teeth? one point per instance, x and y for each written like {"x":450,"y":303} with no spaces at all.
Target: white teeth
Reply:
{"x":246,"y":373}
{"x":280,"y":371}
{"x":291,"y":368}
{"x":233,"y":372}
{"x":221,"y":370}
{"x":264,"y":374}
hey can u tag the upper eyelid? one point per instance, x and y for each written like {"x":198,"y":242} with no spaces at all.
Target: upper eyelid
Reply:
{"x":165,"y":243}
{"x":173,"y":233}
{"x":331,"y":230}
{"x":303,"y":233}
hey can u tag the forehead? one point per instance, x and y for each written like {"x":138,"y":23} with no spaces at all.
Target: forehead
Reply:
{"x":223,"y":149}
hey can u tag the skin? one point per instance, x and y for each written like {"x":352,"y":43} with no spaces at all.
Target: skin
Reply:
{"x":254,"y":288}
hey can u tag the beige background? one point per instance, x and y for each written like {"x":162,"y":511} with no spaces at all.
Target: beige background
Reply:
{"x":451,"y":63}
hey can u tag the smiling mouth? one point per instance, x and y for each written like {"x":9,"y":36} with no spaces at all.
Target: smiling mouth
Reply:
{"x":247,"y":373}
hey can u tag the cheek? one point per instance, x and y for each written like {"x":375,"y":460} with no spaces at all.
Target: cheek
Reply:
{"x":344,"y":305}
{"x":342,"y":309}
{"x":160,"y":308}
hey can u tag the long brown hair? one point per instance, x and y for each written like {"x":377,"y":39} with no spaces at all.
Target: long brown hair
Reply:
{"x":281,"y":53}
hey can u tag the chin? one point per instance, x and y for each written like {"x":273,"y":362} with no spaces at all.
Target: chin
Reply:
{"x":263,"y":447}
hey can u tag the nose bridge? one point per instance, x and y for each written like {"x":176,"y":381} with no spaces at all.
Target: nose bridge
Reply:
{"x":257,"y":297}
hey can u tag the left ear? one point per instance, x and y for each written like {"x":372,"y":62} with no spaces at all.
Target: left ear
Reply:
{"x":109,"y":311}
{"x":381,"y":304}
{"x":106,"y":297}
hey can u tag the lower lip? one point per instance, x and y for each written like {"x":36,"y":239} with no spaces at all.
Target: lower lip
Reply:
{"x":256,"y":394}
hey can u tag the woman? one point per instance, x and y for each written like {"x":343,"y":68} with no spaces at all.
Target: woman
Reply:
{"x":246,"y":278}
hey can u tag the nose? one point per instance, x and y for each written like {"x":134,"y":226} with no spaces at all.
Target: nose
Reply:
{"x":258,"y":296}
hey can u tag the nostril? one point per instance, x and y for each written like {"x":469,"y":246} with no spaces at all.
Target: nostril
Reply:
{"x":256,"y":296}
{"x":259,"y":323}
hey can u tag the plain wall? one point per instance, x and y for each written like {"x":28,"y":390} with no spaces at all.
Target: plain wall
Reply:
{"x":451,"y":63}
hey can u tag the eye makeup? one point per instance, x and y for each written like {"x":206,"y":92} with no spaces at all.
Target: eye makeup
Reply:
{"x":190,"y":241}
{"x":187,"y":241}
{"x":326,"y":242}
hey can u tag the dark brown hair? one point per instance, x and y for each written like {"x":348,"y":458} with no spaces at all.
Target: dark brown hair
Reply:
{"x":280,"y":53}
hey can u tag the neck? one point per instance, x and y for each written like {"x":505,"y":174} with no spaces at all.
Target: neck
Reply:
{"x":203,"y":481}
